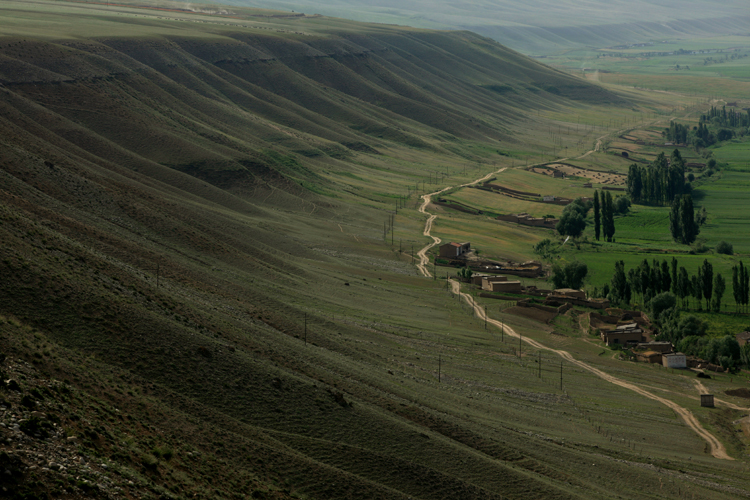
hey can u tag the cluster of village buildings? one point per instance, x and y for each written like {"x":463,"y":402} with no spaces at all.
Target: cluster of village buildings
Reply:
{"x":631,"y":329}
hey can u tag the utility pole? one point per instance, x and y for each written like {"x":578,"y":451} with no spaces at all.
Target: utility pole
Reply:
{"x":540,"y":364}
{"x":439,"y":366}
{"x":305,"y":329}
{"x":561,"y":374}
{"x":485,"y":317}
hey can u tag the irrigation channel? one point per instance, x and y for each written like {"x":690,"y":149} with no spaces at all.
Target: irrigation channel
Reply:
{"x":716,"y":447}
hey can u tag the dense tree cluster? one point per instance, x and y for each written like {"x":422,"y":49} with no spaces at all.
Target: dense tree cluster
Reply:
{"x":569,"y":276}
{"x":677,"y":133}
{"x":573,"y":219}
{"x":650,"y":280}
{"x":659,"y":182}
{"x":726,"y":118}
{"x":718,"y":125}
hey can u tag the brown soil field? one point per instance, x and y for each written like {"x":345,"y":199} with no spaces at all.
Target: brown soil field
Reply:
{"x":597,"y":177}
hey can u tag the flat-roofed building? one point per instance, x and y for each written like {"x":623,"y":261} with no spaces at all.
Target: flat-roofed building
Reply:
{"x":674,"y":360}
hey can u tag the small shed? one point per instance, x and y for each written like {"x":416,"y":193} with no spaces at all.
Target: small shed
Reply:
{"x":548,"y":198}
{"x":707,"y":400}
{"x":674,"y":360}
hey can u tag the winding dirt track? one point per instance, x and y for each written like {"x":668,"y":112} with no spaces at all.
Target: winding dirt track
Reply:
{"x":716,"y":447}
{"x":423,"y":259}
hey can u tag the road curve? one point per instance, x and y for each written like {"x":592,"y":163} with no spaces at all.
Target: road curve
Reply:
{"x":422,"y":254}
{"x":717,"y":449}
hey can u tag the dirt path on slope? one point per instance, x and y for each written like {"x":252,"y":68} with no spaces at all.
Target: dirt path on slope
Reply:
{"x":716,"y":447}
{"x":423,"y":259}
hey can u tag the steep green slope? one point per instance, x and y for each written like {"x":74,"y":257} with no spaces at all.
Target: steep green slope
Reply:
{"x":195,"y":283}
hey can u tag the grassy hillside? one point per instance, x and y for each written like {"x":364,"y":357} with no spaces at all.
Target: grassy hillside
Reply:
{"x":199,"y":301}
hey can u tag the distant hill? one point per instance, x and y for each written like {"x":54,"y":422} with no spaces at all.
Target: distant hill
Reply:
{"x":543,"y":26}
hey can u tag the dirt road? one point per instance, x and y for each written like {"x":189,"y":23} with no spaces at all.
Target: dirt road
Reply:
{"x":717,"y":449}
{"x":423,"y":259}
{"x":703,"y":390}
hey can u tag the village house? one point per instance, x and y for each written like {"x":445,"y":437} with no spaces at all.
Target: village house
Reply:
{"x":630,"y":333}
{"x":674,"y":360}
{"x":452,"y":250}
{"x":500,"y":284}
{"x":660,"y":347}
{"x":506,"y":287}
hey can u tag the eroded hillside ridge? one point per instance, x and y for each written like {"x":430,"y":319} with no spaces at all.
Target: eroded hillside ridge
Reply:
{"x":231,"y":109}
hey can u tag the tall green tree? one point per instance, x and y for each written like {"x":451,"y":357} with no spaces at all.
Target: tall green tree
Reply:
{"x":675,"y":222}
{"x":706,"y":275}
{"x":608,"y":217}
{"x":619,"y":289}
{"x":597,"y":217}
{"x":683,"y":285}
{"x":719,"y":288}
{"x":690,"y":228}
{"x":696,"y":288}
{"x":666,"y":278}
{"x":674,"y":275}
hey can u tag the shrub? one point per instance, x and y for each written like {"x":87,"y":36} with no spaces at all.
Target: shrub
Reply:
{"x":725,"y":248}
{"x":36,"y":427}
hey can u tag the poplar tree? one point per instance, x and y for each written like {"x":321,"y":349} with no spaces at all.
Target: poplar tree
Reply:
{"x":719,"y":287}
{"x":706,"y":274}
{"x":597,"y":217}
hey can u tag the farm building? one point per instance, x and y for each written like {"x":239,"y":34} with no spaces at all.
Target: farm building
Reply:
{"x":548,"y":198}
{"x":624,"y":334}
{"x":476,"y":279}
{"x":452,"y":250}
{"x":742,"y":338}
{"x":674,"y":360}
{"x":500,"y":284}
{"x":488,"y":280}
{"x":570,"y":292}
{"x":660,"y":347}
{"x":649,"y":357}
{"x":505,"y":287}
